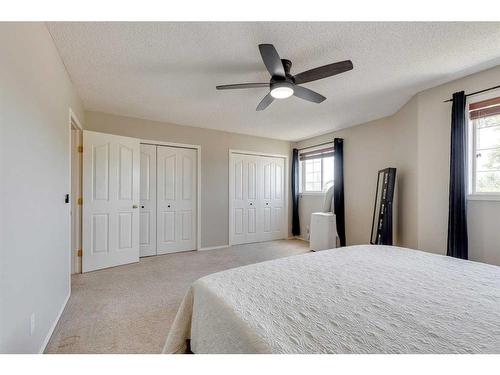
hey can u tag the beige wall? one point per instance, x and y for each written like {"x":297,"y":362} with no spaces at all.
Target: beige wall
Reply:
{"x":416,"y":140}
{"x":388,"y":142}
{"x":215,"y":147}
{"x":35,"y":97}
{"x":434,"y":118}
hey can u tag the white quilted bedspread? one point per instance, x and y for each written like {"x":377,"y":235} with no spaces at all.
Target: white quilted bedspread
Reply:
{"x":359,"y":299}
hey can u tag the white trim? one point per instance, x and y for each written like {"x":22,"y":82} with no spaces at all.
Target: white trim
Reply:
{"x":73,"y":119}
{"x":298,"y":238}
{"x":243,"y":152}
{"x":471,"y":150}
{"x":171,"y":144}
{"x":316,"y":148}
{"x":286,"y":187}
{"x":214,"y":247}
{"x":198,"y":202}
{"x":53,"y":327}
{"x":198,"y":182}
{"x":313,"y":193}
{"x":484,"y":197}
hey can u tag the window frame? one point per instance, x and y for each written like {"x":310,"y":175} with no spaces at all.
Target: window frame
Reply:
{"x":472,"y":194}
{"x":302,"y":174}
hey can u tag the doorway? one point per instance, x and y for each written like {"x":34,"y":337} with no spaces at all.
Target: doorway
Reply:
{"x":75,"y":195}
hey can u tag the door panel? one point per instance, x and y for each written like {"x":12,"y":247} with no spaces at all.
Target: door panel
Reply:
{"x":238,"y":221}
{"x":187,"y":177}
{"x":169,"y":177}
{"x":238,"y":193}
{"x":100,"y":236}
{"x":168,"y":226}
{"x":100,"y":171}
{"x":187,"y":233}
{"x":252,"y":220}
{"x":176,"y":204}
{"x":267,"y":219}
{"x":252,"y":180}
{"x":148,"y":201}
{"x":125,"y":178}
{"x":276,"y":201}
{"x":110,"y":200}
{"x":125,"y":230}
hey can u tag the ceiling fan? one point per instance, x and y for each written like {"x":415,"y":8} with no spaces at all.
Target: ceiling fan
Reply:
{"x":282,"y":84}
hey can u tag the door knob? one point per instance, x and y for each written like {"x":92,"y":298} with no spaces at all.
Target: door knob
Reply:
{"x":251,"y":204}
{"x":267,"y":204}
{"x":142,"y":206}
{"x":135,"y":206}
{"x":168,"y":206}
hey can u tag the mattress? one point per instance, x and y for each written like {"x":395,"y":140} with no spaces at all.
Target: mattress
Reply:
{"x":358,"y":299}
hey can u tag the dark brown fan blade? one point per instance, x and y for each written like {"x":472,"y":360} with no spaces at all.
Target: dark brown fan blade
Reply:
{"x":242,"y":86}
{"x":306,"y":94}
{"x":323,"y":71}
{"x":264,"y":103}
{"x":272,"y":60}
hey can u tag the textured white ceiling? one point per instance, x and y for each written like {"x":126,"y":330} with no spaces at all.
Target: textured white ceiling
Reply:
{"x":168,"y":71}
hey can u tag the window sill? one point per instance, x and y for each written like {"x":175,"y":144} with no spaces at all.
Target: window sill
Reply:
{"x":483,"y":197}
{"x":311,"y":193}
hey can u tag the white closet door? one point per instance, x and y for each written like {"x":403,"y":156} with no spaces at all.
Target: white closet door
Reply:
{"x":253,"y":198}
{"x":257,"y":199}
{"x":176,"y":199}
{"x":147,"y":231}
{"x":273,"y":202}
{"x":246,"y":195}
{"x":110,"y":200}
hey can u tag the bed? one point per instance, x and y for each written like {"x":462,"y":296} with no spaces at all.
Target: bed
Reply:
{"x":358,"y":299}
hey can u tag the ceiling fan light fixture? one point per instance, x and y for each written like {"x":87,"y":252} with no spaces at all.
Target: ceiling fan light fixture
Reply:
{"x":282,"y":84}
{"x":281,"y":92}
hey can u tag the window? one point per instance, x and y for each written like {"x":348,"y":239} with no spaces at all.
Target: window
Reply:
{"x":316,"y":170}
{"x":484,"y":146}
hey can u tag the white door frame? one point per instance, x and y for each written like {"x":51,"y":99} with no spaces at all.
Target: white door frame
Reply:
{"x":198,"y":179}
{"x":230,"y":186}
{"x":72,"y":121}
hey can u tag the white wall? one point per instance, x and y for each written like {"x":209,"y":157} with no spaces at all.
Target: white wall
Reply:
{"x":215,"y":147}
{"x":434,"y":119}
{"x":35,"y":97}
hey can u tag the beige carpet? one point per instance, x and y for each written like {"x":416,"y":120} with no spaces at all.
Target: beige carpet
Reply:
{"x":129,"y":309}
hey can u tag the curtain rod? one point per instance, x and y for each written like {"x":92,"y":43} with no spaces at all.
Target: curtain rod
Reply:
{"x":477,"y":92}
{"x":321,"y":144}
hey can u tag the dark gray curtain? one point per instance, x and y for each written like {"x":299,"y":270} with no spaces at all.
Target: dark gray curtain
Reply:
{"x":295,"y":193}
{"x":338,"y":188}
{"x":457,"y":214}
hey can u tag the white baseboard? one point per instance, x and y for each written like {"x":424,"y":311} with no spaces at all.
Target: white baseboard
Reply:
{"x":51,"y":331}
{"x":298,"y":238}
{"x":213,"y":247}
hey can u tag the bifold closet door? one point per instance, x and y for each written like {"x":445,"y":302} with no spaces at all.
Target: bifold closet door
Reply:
{"x":147,"y":231}
{"x":110,"y":200}
{"x":247,"y":178}
{"x":257,"y":199}
{"x":273,"y":202}
{"x":176,"y":199}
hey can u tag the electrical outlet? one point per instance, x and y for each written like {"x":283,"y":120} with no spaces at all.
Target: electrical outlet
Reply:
{"x":32,"y":324}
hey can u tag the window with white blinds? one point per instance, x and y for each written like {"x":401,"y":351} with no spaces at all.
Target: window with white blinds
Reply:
{"x":484,"y":156}
{"x":316,"y":170}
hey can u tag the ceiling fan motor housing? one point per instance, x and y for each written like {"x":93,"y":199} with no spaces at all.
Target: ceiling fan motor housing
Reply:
{"x":282,"y":87}
{"x":287,"y":65}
